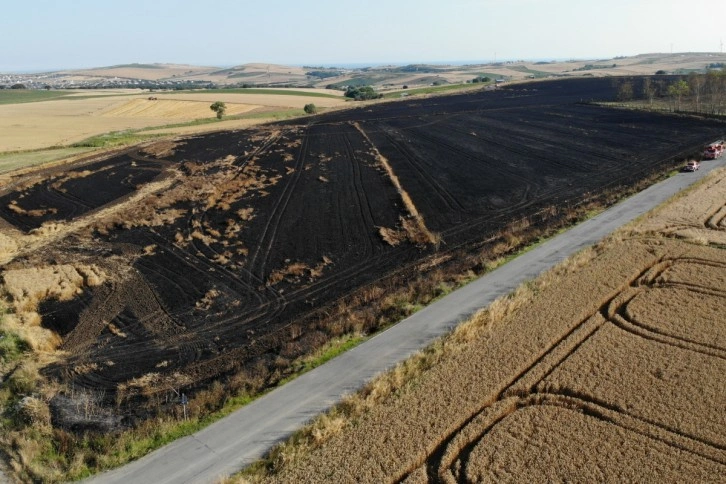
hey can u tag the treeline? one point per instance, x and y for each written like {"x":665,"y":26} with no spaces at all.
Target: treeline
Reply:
{"x":696,"y":93}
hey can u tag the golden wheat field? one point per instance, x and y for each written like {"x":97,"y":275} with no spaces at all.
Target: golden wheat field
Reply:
{"x":607,"y":368}
{"x":60,"y":122}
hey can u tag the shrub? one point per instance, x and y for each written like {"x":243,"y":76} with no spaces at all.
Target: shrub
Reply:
{"x":310,"y":109}
{"x":361,"y":93}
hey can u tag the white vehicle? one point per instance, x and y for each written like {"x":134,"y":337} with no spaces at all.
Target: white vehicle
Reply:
{"x":692,"y":165}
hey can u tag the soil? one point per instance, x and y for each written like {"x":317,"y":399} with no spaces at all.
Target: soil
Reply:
{"x":259,"y":233}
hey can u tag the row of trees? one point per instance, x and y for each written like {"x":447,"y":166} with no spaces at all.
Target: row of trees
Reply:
{"x":699,"y":93}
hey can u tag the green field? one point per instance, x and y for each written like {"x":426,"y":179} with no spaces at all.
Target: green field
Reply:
{"x":527,"y":70}
{"x":433,"y":90}
{"x":17,"y":96}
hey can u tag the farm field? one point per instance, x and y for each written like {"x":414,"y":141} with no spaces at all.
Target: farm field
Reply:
{"x":72,"y":117}
{"x":392,"y":77}
{"x":227,"y":256}
{"x":618,"y":379}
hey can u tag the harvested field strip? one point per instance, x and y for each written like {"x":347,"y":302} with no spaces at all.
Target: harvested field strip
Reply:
{"x":275,"y":92}
{"x":172,"y":109}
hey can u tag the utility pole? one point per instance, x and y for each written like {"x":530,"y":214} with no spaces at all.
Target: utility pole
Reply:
{"x":184,"y":403}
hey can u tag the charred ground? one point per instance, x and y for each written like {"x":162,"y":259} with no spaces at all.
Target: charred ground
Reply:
{"x":235,"y":264}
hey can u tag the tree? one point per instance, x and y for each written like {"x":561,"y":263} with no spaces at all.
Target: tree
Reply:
{"x":625,"y":91}
{"x":649,"y":89}
{"x":220,"y":108}
{"x":677,"y":91}
{"x":310,"y":109}
{"x":696,"y":83}
{"x":18,"y":86}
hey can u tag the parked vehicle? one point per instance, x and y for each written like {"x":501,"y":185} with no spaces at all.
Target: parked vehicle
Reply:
{"x":714,"y":150}
{"x":692,"y":166}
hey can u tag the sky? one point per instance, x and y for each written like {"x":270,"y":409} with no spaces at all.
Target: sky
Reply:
{"x":50,"y":34}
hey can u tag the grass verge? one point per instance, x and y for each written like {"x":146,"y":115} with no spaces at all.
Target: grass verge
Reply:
{"x":40,"y":453}
{"x":11,"y":161}
{"x":115,"y":138}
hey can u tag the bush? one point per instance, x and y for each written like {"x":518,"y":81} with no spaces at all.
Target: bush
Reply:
{"x":310,"y":109}
{"x":362,"y":93}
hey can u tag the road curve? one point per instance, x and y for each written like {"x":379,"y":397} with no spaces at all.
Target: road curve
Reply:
{"x":228,"y":445}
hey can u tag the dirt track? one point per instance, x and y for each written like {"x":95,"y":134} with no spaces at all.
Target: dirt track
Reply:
{"x":263,"y":231}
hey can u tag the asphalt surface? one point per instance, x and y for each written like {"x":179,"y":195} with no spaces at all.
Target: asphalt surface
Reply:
{"x":230,"y":444}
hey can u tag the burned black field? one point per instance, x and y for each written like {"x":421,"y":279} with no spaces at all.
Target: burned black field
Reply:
{"x":232,"y":253}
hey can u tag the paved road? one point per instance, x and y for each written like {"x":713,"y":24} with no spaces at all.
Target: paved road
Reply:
{"x":228,"y":445}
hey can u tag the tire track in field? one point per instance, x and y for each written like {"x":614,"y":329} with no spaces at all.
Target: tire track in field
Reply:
{"x":717,"y":220}
{"x":367,"y":218}
{"x":443,"y":194}
{"x":201,"y":216}
{"x":522,"y":390}
{"x":256,"y":265}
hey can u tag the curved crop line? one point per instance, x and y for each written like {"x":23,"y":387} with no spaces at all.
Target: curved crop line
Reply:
{"x":621,"y":320}
{"x":457,"y":450}
{"x":717,"y":220}
{"x":610,"y":312}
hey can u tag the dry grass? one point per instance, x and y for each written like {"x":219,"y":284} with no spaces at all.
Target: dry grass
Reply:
{"x":27,"y":287}
{"x":8,"y":246}
{"x":296,"y":272}
{"x":162,"y":149}
{"x":413,"y":224}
